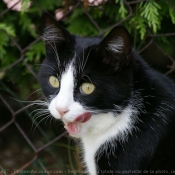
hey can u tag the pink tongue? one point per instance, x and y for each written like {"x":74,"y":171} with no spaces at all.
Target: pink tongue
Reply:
{"x":83,"y":117}
{"x":73,"y":127}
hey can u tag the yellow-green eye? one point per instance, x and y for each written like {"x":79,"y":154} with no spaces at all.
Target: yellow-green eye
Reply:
{"x":53,"y":81}
{"x":87,"y":88}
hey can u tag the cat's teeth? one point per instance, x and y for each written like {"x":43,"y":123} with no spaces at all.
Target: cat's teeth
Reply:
{"x":65,"y":127}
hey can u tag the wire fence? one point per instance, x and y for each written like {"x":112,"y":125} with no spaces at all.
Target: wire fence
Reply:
{"x":13,"y":125}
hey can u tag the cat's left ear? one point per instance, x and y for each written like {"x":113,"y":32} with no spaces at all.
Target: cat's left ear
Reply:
{"x":115,"y":48}
{"x":54,"y":33}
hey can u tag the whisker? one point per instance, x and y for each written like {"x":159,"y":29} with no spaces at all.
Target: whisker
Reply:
{"x":83,"y":59}
{"x":46,"y":65}
{"x":79,"y":63}
{"x":40,"y":122}
{"x":56,"y":55}
{"x":87,"y":77}
{"x":33,"y":93}
{"x":51,"y":119}
{"x":48,"y":117}
{"x":38,"y":102}
{"x":87,"y":58}
{"x":35,"y":111}
{"x":39,"y":112}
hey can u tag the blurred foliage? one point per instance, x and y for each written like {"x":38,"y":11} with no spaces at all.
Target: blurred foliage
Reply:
{"x":148,"y":17}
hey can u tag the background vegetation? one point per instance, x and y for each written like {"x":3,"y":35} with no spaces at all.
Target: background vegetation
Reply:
{"x":152,"y":27}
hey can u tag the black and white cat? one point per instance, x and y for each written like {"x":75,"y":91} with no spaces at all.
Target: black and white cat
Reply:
{"x":107,"y":96}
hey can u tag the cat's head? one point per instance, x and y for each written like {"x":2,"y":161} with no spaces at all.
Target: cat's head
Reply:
{"x":85,"y":78}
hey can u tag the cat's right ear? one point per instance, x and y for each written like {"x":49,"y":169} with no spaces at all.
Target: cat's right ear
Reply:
{"x":115,"y":48}
{"x":54,"y":34}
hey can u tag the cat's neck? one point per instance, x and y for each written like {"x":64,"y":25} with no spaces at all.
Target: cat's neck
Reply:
{"x":108,"y":129}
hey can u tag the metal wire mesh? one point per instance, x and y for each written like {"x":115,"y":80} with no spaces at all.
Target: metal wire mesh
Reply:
{"x":14,"y":114}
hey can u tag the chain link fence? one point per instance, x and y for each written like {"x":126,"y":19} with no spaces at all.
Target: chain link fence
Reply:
{"x":33,"y":152}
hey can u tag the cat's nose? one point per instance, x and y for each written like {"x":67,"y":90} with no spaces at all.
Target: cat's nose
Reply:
{"x":62,"y":111}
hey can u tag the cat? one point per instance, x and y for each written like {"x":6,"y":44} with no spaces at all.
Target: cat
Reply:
{"x":121,"y":110}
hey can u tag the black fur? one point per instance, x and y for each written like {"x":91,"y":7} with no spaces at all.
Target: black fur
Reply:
{"x":150,"y":147}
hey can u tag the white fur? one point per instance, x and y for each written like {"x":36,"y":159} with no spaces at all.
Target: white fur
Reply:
{"x":65,"y":96}
{"x":64,"y":99}
{"x":99,"y":130}
{"x":116,"y":45}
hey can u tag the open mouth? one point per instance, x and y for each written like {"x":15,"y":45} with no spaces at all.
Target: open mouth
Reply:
{"x":75,"y":126}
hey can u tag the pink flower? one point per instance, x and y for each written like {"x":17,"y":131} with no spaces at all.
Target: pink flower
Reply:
{"x":59,"y":14}
{"x":14,"y":4}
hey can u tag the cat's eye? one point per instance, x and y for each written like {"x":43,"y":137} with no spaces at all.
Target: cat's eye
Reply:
{"x":87,"y":88}
{"x":54,"y":82}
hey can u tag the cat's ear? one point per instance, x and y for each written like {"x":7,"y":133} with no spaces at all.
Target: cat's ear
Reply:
{"x":54,"y":33}
{"x":116,"y":47}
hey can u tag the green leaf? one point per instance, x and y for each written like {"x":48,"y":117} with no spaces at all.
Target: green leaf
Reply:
{"x":3,"y":42}
{"x":111,"y":12}
{"x":8,"y":29}
{"x":27,"y":25}
{"x":35,"y":52}
{"x":122,"y":10}
{"x":150,"y":11}
{"x":140,"y":24}
{"x":25,"y":5}
{"x":172,"y":14}
{"x":87,"y":29}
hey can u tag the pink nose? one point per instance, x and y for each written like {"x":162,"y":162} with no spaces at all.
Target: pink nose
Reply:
{"x":62,"y":111}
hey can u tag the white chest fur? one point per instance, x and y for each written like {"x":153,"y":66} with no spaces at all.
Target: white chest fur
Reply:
{"x":104,"y":128}
{"x":100,"y":129}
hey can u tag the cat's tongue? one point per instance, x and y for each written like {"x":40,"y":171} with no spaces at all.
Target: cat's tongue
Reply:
{"x":75,"y":126}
